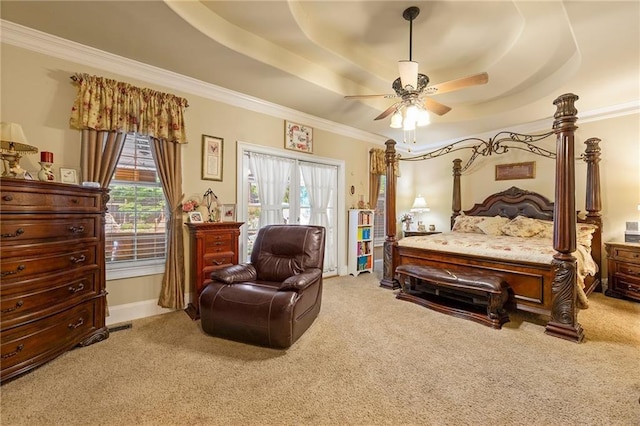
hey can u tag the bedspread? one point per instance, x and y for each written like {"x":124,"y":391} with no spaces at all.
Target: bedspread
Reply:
{"x":534,"y":250}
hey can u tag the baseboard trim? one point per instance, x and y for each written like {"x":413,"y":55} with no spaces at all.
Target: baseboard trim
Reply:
{"x":134,"y":311}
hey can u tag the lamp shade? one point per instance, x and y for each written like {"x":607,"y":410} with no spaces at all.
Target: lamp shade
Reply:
{"x":12,"y":139}
{"x":408,"y":74}
{"x":419,"y":205}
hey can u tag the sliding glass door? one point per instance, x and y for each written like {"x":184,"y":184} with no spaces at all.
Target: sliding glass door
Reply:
{"x":278,"y":188}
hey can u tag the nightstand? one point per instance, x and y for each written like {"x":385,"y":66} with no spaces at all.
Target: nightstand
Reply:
{"x":419,"y":233}
{"x":623,"y":264}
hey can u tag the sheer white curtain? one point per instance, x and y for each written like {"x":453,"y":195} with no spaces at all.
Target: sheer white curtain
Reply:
{"x":321,"y":182}
{"x":272,"y":177}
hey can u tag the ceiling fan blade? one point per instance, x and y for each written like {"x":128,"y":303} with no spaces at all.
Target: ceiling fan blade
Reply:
{"x":436,"y":107}
{"x":370,"y":96}
{"x":461,"y":83}
{"x":388,"y":111}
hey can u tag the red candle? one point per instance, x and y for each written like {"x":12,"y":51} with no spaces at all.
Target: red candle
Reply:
{"x":46,"y":157}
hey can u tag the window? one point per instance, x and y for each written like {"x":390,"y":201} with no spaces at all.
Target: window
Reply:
{"x":135,"y":225}
{"x":379,"y":214}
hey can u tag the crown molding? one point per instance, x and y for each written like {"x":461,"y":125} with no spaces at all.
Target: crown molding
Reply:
{"x":47,"y":44}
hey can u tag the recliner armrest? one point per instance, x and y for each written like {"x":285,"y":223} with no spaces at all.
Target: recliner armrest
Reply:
{"x":235,"y":273}
{"x":301,"y":281}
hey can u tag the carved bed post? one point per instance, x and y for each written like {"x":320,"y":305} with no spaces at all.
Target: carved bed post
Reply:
{"x":564,"y":311}
{"x":457,"y":199}
{"x":390,"y":242}
{"x":593,"y":202}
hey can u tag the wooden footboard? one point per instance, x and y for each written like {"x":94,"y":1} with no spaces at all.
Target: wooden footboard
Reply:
{"x":531,"y":283}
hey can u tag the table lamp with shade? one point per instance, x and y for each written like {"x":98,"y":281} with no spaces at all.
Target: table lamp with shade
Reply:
{"x":419,"y":206}
{"x":13,"y":146}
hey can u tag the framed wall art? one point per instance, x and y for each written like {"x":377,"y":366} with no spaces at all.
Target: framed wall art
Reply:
{"x":525,"y":170}
{"x":212,"y":150}
{"x":298,"y":137}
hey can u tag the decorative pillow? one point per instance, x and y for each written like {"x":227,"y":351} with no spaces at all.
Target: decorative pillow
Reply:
{"x":468,"y":224}
{"x":521,"y":226}
{"x":493,"y":225}
{"x":547,"y":229}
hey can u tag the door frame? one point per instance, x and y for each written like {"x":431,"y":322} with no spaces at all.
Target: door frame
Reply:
{"x":341,"y":226}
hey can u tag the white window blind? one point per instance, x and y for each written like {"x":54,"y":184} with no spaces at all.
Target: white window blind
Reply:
{"x":136,"y":220}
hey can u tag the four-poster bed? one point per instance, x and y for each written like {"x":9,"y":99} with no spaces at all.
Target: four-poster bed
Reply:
{"x":553,"y":285}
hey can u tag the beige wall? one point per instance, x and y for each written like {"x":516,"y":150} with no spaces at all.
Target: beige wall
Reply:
{"x":38,"y":94}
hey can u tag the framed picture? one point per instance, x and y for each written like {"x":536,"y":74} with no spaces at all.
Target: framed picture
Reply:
{"x":298,"y":137}
{"x":228,"y":213}
{"x":68,"y":175}
{"x":516,"y":171}
{"x":195,"y":217}
{"x":212,"y":157}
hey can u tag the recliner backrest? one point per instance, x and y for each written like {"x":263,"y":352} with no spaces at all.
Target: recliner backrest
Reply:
{"x":281,"y":251}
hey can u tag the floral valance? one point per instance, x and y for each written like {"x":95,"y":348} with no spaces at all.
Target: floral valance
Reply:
{"x":105,"y":104}
{"x":378,"y":164}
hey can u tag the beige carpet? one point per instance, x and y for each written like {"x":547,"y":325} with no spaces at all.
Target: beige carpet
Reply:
{"x":368,"y":359}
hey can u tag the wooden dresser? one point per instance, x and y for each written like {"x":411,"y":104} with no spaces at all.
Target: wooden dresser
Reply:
{"x":212,"y":245}
{"x":52,"y":293}
{"x":623,"y":265}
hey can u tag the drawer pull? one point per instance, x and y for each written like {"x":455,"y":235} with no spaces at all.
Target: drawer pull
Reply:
{"x":76,"y":229}
{"x":218,"y":243}
{"x":20,"y":268}
{"x":73,"y":289}
{"x":75,"y":201}
{"x":217,"y":262}
{"x":80,"y":259}
{"x":10,"y":354}
{"x":18,"y":305}
{"x":7,"y":198}
{"x":18,"y":232}
{"x":76,"y":325}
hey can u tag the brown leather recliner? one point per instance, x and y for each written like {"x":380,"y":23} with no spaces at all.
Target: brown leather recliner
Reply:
{"x":274,"y":299}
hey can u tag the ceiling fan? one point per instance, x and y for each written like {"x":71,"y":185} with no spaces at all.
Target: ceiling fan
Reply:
{"x":412,"y":87}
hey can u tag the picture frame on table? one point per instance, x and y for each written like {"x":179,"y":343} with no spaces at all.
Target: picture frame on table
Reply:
{"x":228,"y":213}
{"x":195,"y":217}
{"x":212,"y":156}
{"x":298,"y":137}
{"x":68,"y":175}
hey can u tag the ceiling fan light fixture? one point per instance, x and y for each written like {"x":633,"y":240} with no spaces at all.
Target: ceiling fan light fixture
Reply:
{"x":396,"y":120}
{"x":408,"y":74}
{"x":423,"y":118}
{"x":408,"y":124}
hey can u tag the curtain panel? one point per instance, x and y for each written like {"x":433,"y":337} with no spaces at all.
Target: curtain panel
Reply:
{"x":105,"y":104}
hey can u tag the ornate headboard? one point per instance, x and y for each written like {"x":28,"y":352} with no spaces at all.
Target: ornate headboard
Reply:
{"x":514,"y":202}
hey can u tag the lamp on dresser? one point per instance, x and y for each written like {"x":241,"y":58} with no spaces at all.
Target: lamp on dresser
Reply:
{"x":13,"y":146}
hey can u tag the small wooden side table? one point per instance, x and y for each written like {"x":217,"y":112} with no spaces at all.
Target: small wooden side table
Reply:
{"x":623,"y":264}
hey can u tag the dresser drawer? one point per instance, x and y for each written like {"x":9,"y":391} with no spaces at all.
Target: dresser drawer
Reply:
{"x":53,"y":259}
{"x":215,"y":243}
{"x":214,"y":261}
{"x":18,"y":229}
{"x":35,"y":342}
{"x":626,"y":254}
{"x":28,"y":300}
{"x":629,"y":269}
{"x":627,"y":285}
{"x":53,"y":198}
